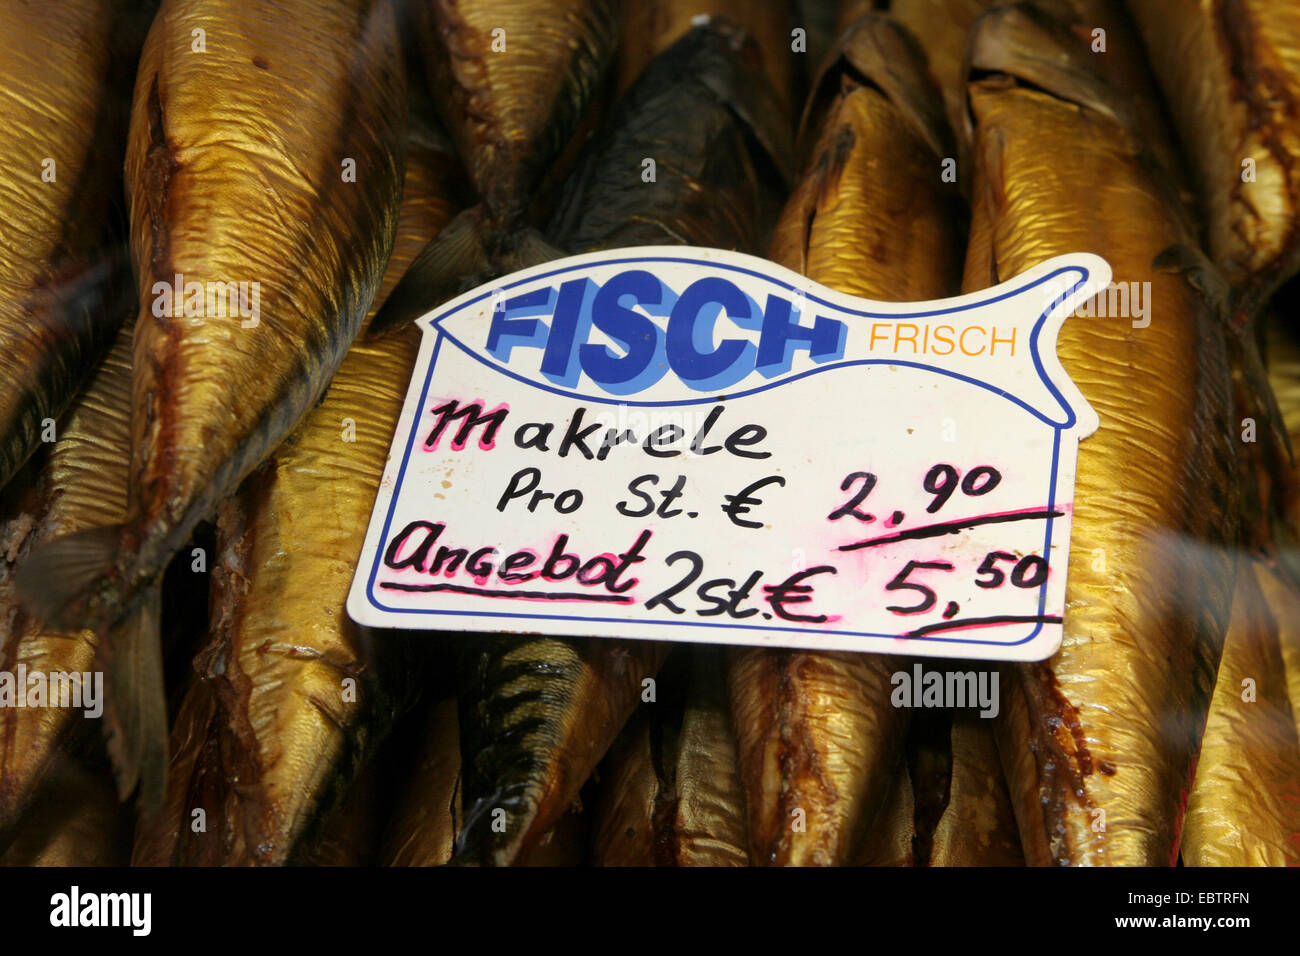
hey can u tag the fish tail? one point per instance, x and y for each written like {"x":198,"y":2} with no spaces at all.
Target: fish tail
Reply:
{"x":74,"y":581}
{"x":135,"y":708}
{"x":451,"y":263}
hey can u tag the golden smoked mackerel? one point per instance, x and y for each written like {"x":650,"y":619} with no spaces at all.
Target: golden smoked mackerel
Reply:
{"x":264,"y":178}
{"x":283,"y":652}
{"x":427,"y":820}
{"x":82,"y":484}
{"x":1098,"y":742}
{"x":1244,"y":808}
{"x":65,"y":94}
{"x":511,"y":80}
{"x":1230,"y":71}
{"x":871,"y":217}
{"x":538,"y":713}
{"x":1282,"y":587}
{"x":978,"y":826}
{"x":671,"y":793}
{"x":76,"y":820}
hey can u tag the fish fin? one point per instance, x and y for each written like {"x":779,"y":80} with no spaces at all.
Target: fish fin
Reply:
{"x":68,"y":583}
{"x":444,"y":268}
{"x":1243,"y":337}
{"x":532,"y":249}
{"x":135,"y":708}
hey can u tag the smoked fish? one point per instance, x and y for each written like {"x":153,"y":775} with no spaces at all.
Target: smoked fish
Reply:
{"x":82,"y":484}
{"x":538,"y":713}
{"x":978,"y":825}
{"x":511,"y":81}
{"x":1230,"y":72}
{"x":672,"y":793}
{"x":283,"y":653}
{"x":1098,"y":742}
{"x":871,"y":217}
{"x":651,"y":26}
{"x":76,"y":820}
{"x":257,"y":254}
{"x":65,"y":95}
{"x":428,"y":816}
{"x":704,"y":113}
{"x":1244,"y":808}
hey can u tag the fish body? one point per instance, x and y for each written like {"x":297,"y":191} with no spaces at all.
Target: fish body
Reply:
{"x":978,"y":825}
{"x":302,"y":694}
{"x":428,"y":817}
{"x":1098,"y":742}
{"x":651,"y":26}
{"x":710,"y":122}
{"x":1230,"y":72}
{"x":296,"y":199}
{"x":817,"y":733}
{"x":81,"y":484}
{"x":65,"y":90}
{"x":512,"y":82}
{"x":1244,"y":808}
{"x":673,"y":795}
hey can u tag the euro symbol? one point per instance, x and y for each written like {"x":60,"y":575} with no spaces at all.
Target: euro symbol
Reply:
{"x":739,"y":504}
{"x":790,"y":591}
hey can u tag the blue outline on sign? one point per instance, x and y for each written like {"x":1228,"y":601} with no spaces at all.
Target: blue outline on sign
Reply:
{"x":1058,"y":427}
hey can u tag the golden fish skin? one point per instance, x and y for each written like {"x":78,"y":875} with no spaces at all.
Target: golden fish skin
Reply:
{"x":282,"y":646}
{"x":1098,"y":742}
{"x":65,"y":80}
{"x":511,"y":110}
{"x":1230,"y":71}
{"x":1282,"y":595}
{"x":1283,"y":601}
{"x":295,"y":90}
{"x":75,"y":821}
{"x":673,"y":795}
{"x":1244,"y":808}
{"x":537,"y":714}
{"x":889,"y":838}
{"x":817,"y":732}
{"x":651,"y":26}
{"x":978,"y":826}
{"x":429,"y":814}
{"x":942,"y":27}
{"x":82,"y":484}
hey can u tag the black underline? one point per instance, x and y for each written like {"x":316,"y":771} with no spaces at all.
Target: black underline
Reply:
{"x":997,"y":619}
{"x":950,"y":527}
{"x":485,"y":592}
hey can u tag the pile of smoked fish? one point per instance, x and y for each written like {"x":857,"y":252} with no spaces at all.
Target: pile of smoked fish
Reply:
{"x":185,"y":495}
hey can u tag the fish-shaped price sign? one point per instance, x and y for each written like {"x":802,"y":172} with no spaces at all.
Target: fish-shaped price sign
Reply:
{"x":699,"y":445}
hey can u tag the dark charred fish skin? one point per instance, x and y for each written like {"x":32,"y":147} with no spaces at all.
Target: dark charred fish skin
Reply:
{"x":65,"y":95}
{"x":714,"y":129}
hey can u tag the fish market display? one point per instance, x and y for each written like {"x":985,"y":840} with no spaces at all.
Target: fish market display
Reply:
{"x":257,"y":254}
{"x":65,"y":91}
{"x":1099,"y":741}
{"x":220,"y":221}
{"x":817,"y":732}
{"x":538,"y":713}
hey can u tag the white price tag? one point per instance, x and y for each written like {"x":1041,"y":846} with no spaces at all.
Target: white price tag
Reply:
{"x":698,"y":445}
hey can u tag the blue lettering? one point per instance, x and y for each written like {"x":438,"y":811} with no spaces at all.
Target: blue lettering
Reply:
{"x":508,"y":330}
{"x":643,"y":363}
{"x":782,"y":334}
{"x":690,"y":335}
